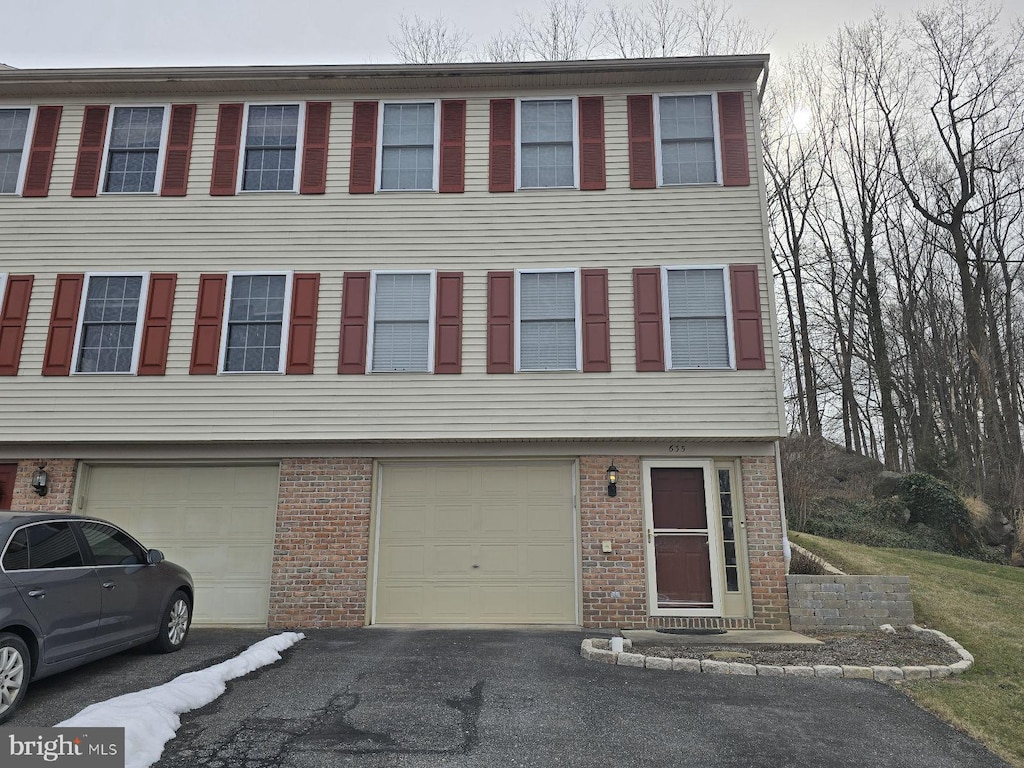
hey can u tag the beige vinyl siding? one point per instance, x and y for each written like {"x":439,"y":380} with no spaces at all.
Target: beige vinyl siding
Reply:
{"x":618,"y":229}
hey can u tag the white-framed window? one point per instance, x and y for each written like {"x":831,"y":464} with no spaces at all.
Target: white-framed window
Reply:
{"x":16,"y":125}
{"x":401,"y":334}
{"x":271,"y":147}
{"x":408,"y":146}
{"x":547,"y":130}
{"x":698,"y":312}
{"x":686,"y":130}
{"x":110,"y":320}
{"x":255,"y":333}
{"x":548,"y":320}
{"x":133,"y":157}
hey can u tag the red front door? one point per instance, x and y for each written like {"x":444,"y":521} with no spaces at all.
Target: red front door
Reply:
{"x":682,"y":554}
{"x":7,"y":474}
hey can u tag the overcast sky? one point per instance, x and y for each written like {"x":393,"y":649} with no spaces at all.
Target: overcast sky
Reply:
{"x":107,"y":33}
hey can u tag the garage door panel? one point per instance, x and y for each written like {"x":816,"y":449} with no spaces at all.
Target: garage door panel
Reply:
{"x":500,"y":520}
{"x":499,"y":560}
{"x":452,"y":603}
{"x":501,"y":481}
{"x":453,"y":520}
{"x":544,"y":480}
{"x":452,"y":482}
{"x":449,"y":559}
{"x":546,"y":519}
{"x":550,"y":602}
{"x":408,"y":521}
{"x":402,"y":560}
{"x":248,"y":562}
{"x":405,"y":601}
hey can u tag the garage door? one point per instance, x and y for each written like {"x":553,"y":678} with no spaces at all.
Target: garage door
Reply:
{"x":476,"y":544}
{"x":216,"y":521}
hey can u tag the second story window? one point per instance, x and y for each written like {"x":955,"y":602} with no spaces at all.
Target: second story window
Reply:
{"x":271,"y":147}
{"x":402,"y":311}
{"x":255,"y":322}
{"x":109,"y":328}
{"x":133,"y":150}
{"x":13,"y":134}
{"x":547,"y":149}
{"x":687,"y":140}
{"x":407,"y":148}
{"x":548,"y":327}
{"x":698,"y":318}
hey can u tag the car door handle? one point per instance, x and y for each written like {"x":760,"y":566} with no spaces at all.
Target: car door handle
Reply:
{"x":109,"y":585}
{"x":38,"y":594}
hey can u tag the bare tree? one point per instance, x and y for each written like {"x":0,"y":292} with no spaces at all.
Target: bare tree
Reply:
{"x":715,"y":32}
{"x":429,"y":41}
{"x":561,"y":32}
{"x":505,"y":46}
{"x":655,"y":28}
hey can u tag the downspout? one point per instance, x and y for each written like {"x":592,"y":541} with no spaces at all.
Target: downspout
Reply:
{"x":764,"y":85}
{"x":786,"y":551}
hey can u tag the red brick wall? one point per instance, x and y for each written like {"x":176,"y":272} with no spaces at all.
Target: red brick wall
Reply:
{"x":321,"y":546}
{"x":59,"y":498}
{"x":761,"y":508}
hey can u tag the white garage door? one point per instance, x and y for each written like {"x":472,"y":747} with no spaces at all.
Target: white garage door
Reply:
{"x":218,"y":522}
{"x":476,"y":544}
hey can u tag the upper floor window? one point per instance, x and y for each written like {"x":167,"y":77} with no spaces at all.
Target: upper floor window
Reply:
{"x":408,"y":146}
{"x":547,"y":149}
{"x":697,"y":319}
{"x":402,"y":312}
{"x":109,"y":327}
{"x":548,"y":327}
{"x":686,"y":139}
{"x":134,"y":145}
{"x":255,"y":322}
{"x":14,"y":125}
{"x":272,"y":134}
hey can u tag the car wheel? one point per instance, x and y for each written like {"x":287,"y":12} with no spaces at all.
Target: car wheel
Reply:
{"x":175,"y":624}
{"x":15,"y":669}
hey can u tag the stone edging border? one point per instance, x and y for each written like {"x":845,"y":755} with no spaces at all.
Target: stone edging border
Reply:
{"x":711,"y":666}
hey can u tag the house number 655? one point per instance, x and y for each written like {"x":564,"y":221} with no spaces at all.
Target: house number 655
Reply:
{"x":676,"y":448}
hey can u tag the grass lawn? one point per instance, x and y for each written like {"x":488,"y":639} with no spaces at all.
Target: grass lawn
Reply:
{"x":979,"y":605}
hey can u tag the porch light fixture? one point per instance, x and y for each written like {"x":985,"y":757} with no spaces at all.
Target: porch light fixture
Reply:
{"x":41,"y":480}
{"x":612,"y":476}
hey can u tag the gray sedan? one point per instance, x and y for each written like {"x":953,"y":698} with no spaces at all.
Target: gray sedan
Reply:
{"x":74,"y":589}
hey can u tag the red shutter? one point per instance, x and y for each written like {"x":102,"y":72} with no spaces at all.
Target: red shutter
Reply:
{"x":453,"y":146}
{"x":302,"y":330}
{"x":503,"y":145}
{"x":314,"y":148}
{"x":597,"y":353}
{"x":592,"y":142}
{"x":362,"y":169}
{"x":641,"y":142}
{"x":448,"y":333}
{"x":60,"y":340}
{"x":226,"y":147}
{"x":501,"y":322}
{"x":40,"y":154}
{"x":733,"y":124}
{"x":355,"y":318}
{"x":746,"y":317}
{"x":156,"y":329}
{"x":13,"y":318}
{"x":209,"y":318}
{"x":90,"y":152}
{"x":650,"y":347}
{"x":179,"y":150}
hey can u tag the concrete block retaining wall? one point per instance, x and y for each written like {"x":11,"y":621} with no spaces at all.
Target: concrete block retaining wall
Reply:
{"x":849,"y":602}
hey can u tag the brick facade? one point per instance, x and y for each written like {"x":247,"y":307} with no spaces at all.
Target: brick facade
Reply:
{"x":321,"y":546}
{"x":763,"y":514}
{"x":59,"y":498}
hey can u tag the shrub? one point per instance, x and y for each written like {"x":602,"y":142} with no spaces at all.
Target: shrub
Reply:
{"x":934,"y":503}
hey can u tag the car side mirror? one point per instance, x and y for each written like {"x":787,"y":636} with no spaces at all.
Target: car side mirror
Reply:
{"x":155,"y":557}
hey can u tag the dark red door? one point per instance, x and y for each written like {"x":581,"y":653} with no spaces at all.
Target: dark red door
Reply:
{"x":682,"y":555}
{"x":7,"y":474}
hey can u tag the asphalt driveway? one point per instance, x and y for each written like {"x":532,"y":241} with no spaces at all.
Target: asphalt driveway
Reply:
{"x":372,"y":697}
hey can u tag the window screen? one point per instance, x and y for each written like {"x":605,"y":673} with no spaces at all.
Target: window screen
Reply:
{"x":134,"y":149}
{"x":546,"y":144}
{"x":407,"y":147}
{"x":13,"y":128}
{"x":109,"y":323}
{"x":271,"y":139}
{"x":401,"y":322}
{"x":547,"y":321}
{"x":255,"y":323}
{"x":687,"y":140}
{"x":698,"y":327}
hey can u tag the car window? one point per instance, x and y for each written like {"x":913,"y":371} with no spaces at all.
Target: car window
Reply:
{"x":53,"y":545}
{"x":16,"y":556}
{"x":112,"y":547}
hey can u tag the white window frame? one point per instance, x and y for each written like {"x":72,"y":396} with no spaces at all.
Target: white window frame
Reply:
{"x":575,"y":140}
{"x":3,"y":292}
{"x":372,"y":321}
{"x":30,"y":130}
{"x":139,"y":322}
{"x":666,"y":320}
{"x":161,"y":151}
{"x":435,"y":174}
{"x":716,"y":135}
{"x":714,"y":529}
{"x":299,"y":139}
{"x":286,"y":319}
{"x":577,"y":297}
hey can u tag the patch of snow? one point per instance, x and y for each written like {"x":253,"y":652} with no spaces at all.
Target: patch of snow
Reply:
{"x":889,"y":629}
{"x":150,"y":717}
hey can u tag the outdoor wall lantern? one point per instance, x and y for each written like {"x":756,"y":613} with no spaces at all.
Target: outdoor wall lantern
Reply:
{"x":40,"y":480}
{"x":612,"y":476}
